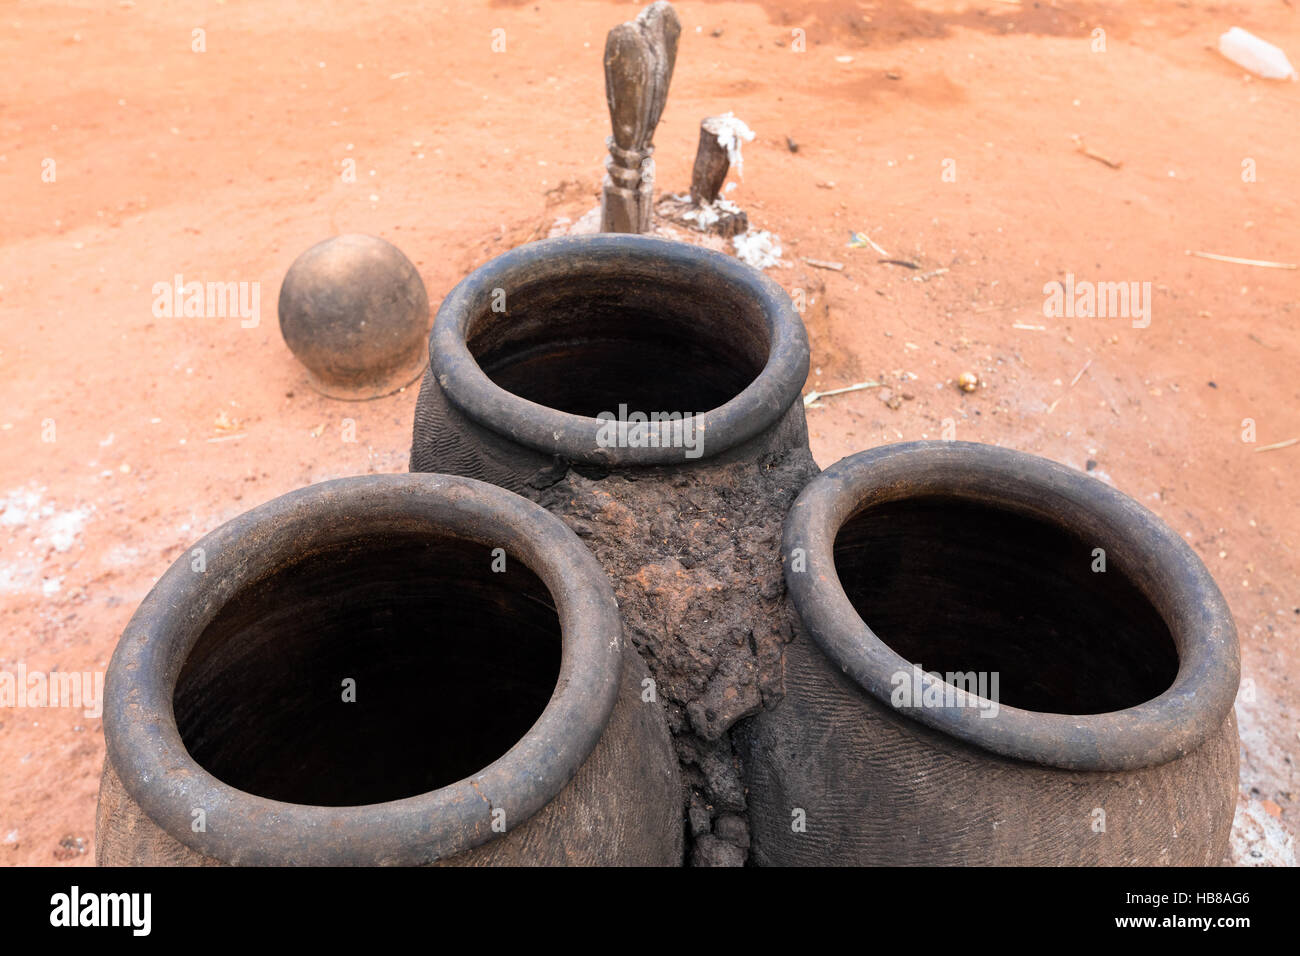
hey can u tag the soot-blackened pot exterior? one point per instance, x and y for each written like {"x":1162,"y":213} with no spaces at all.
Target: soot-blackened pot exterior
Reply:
{"x":593,"y":780}
{"x":548,"y":367}
{"x":874,"y":758}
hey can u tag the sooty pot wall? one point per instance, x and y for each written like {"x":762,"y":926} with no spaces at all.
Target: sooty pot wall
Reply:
{"x":395,"y":669}
{"x":1099,"y":656}
{"x":648,"y":393}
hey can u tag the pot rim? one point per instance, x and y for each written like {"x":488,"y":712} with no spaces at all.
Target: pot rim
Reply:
{"x":757,"y":407}
{"x":148,"y":755}
{"x":1155,"y":558}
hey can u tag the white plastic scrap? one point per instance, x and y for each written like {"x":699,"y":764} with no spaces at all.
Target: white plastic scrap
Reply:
{"x":710,"y":213}
{"x":731,"y":132}
{"x":759,"y":249}
{"x":1250,"y":52}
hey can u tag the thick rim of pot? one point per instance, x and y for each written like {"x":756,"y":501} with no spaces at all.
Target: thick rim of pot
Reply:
{"x":759,"y":405}
{"x":1163,"y":567}
{"x":151,"y":760}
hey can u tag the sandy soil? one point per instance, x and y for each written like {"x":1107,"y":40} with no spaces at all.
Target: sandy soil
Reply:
{"x":225,"y":164}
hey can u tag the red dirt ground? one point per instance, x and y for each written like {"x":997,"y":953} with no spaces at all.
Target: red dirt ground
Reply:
{"x":225,"y":164}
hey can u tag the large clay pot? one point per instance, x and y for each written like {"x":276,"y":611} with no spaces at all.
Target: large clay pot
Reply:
{"x":541,"y":362}
{"x":1108,"y":737}
{"x":391,"y":669}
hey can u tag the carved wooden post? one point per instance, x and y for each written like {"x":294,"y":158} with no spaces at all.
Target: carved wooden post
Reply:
{"x":639,"y":58}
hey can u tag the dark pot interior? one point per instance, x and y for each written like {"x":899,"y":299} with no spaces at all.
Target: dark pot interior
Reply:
{"x":588,"y":344}
{"x":954,"y":585}
{"x":453,"y":663}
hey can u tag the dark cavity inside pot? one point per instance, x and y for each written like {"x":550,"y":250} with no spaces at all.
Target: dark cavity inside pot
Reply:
{"x":957,"y":586}
{"x":453,"y":663}
{"x":589,"y":344}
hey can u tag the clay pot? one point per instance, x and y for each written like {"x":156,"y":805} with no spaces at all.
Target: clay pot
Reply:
{"x":531,"y":349}
{"x":1108,"y":737}
{"x":552,"y":369}
{"x":391,"y":669}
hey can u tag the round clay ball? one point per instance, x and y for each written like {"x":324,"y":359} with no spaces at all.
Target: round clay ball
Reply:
{"x":354,"y":311}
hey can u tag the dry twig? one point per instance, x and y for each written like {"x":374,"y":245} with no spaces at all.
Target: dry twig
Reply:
{"x":1262,"y":263}
{"x":812,"y":397}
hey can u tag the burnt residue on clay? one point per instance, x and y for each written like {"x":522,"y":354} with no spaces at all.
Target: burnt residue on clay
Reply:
{"x":694,"y":557}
